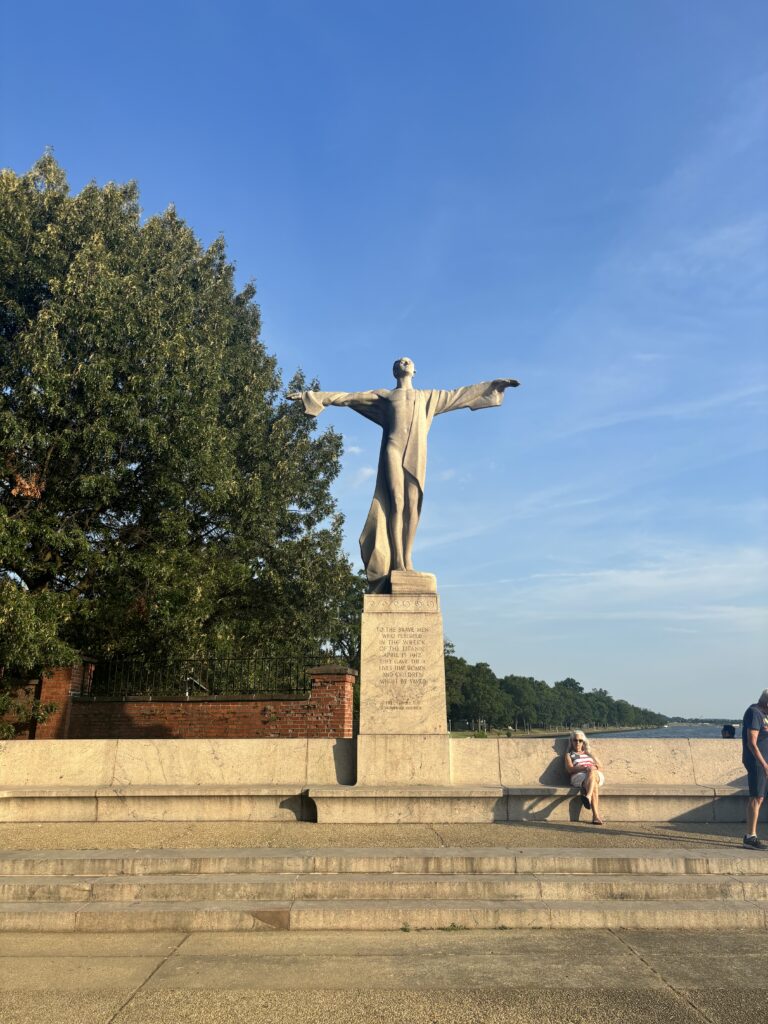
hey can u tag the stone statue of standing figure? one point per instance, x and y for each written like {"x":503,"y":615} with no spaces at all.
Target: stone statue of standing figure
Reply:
{"x":405,"y":416}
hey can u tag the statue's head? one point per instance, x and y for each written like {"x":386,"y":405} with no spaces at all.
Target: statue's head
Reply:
{"x":403,"y":367}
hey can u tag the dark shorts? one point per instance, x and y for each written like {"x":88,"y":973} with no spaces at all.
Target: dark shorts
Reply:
{"x":757,"y":780}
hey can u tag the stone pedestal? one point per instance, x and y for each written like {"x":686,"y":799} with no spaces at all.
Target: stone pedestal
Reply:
{"x":403,"y":723}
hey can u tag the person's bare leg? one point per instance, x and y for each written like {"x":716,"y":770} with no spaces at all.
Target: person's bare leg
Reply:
{"x":597,"y":817}
{"x":412,"y":495}
{"x":395,"y":479}
{"x":753,"y":812}
{"x":591,"y":787}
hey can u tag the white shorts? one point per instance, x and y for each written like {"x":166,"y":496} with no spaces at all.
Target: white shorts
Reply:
{"x":579,"y":777}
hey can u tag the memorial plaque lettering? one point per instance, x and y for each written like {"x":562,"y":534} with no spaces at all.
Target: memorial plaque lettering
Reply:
{"x":403,"y":666}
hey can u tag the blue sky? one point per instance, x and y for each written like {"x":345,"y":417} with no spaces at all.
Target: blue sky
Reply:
{"x":571,"y":194}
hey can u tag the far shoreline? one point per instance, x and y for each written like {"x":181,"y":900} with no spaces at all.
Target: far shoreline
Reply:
{"x":543,"y":734}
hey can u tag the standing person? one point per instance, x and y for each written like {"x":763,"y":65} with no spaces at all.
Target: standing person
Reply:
{"x":754,"y":757}
{"x":583,"y":766}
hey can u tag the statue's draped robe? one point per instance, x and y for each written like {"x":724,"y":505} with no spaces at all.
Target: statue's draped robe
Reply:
{"x":374,"y":540}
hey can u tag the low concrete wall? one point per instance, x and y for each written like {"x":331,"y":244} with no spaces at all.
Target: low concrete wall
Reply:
{"x":294,"y":762}
{"x":635,"y":762}
{"x":318,"y":762}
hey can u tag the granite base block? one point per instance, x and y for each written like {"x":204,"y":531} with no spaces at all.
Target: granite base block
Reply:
{"x":403,"y":760}
{"x":408,"y":804}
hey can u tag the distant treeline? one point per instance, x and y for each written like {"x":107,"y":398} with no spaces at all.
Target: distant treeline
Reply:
{"x":703,"y":721}
{"x":475,"y":693}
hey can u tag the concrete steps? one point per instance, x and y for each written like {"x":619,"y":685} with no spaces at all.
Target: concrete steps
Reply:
{"x":279,"y":887}
{"x":381,"y":915}
{"x":355,"y":889}
{"x":406,"y":860}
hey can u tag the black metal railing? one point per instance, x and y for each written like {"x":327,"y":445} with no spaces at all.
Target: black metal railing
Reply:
{"x":210,"y":676}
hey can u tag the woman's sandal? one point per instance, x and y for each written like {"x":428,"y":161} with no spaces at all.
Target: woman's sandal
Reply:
{"x":598,"y":821}
{"x":585,"y":798}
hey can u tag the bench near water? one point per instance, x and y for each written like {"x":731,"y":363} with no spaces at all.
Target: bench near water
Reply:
{"x":313,"y":779}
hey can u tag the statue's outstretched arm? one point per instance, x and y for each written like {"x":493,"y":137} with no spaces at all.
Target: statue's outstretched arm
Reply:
{"x":367,"y":403}
{"x":475,"y":396}
{"x":320,"y":397}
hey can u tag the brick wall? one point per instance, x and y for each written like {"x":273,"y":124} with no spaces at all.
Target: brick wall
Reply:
{"x":327,"y":712}
{"x":57,"y":687}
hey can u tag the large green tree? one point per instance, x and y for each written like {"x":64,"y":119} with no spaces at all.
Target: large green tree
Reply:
{"x":157,"y":494}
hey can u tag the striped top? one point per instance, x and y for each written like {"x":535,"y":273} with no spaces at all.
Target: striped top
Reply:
{"x":582,"y":761}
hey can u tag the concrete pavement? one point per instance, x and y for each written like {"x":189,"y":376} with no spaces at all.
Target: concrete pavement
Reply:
{"x":419,"y":977}
{"x":303,"y":834}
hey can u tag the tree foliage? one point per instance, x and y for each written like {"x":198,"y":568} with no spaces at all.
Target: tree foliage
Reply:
{"x":475,"y":693}
{"x":19,"y":708}
{"x":344,"y":637}
{"x":157,"y":493}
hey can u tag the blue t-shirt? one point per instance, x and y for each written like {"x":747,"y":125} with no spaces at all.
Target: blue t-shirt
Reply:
{"x":755,"y":717}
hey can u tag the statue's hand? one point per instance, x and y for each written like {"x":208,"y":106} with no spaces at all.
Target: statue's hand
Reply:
{"x":294,"y":396}
{"x":504,"y":382}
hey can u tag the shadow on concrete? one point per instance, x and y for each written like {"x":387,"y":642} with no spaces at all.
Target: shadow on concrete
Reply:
{"x":739,"y":784}
{"x":345,"y":762}
{"x":555,"y":774}
{"x":301,"y":806}
{"x":540,"y":811}
{"x":500,"y":810}
{"x":670,"y":833}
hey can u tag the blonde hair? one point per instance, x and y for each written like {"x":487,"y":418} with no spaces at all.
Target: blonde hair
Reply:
{"x":577,"y":734}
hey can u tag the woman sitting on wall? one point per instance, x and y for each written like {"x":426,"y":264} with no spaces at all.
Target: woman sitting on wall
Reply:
{"x":584,"y":767}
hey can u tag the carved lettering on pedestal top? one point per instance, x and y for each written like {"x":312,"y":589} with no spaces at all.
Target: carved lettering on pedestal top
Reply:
{"x":383,"y":603}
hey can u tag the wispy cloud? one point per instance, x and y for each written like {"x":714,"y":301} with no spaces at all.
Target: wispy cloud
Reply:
{"x":731,"y":251}
{"x":648,"y":357}
{"x":684,"y":409}
{"x":363,"y":474}
{"x":750,"y":618}
{"x":464,"y":520}
{"x":681,"y":588}
{"x":679,"y":301}
{"x":476,"y":528}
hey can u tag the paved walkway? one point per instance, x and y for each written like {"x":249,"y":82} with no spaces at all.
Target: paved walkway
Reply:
{"x":599,"y":977}
{"x":284,"y":835}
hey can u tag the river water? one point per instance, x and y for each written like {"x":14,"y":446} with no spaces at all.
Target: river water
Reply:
{"x":671,"y":732}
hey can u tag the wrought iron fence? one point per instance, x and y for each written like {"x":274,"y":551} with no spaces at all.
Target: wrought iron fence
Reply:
{"x":211,"y":676}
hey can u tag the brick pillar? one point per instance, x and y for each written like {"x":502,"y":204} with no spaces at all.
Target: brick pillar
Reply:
{"x":56,"y":686}
{"x":333,"y":685}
